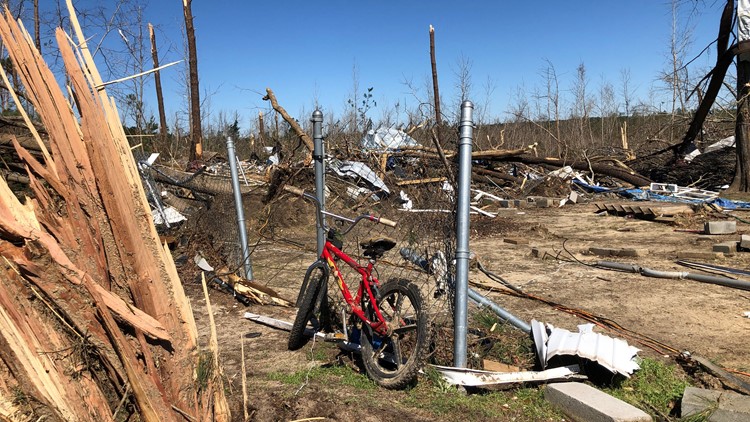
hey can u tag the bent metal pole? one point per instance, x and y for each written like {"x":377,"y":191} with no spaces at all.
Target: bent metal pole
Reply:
{"x":232,"y":158}
{"x":320,"y":174}
{"x":466,"y":129}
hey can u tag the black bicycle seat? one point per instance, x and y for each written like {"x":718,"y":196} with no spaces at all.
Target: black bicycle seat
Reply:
{"x":376,"y":247}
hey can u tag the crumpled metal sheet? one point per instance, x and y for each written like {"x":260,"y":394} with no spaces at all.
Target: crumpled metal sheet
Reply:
{"x":476,"y":377}
{"x":612,"y":353}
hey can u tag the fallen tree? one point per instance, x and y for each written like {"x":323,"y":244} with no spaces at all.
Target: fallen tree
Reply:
{"x":94,"y":323}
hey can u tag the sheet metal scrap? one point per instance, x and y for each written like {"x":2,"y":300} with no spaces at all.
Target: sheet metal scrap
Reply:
{"x":476,"y":377}
{"x":611,"y":353}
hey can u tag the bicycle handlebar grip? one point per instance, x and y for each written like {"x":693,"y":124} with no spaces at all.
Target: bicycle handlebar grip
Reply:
{"x":387,"y":222}
{"x":295,"y":190}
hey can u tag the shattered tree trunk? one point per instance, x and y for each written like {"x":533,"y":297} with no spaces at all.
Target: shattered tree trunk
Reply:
{"x":92,"y":312}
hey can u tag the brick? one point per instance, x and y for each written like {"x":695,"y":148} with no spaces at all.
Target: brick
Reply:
{"x":719,"y":406}
{"x":516,"y":240}
{"x":582,"y":402}
{"x":720,"y":227}
{"x":726,"y":247}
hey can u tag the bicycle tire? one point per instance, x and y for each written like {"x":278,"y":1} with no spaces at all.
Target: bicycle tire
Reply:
{"x":314,"y":301}
{"x":394,"y":362}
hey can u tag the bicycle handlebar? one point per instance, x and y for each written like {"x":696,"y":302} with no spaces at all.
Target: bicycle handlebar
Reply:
{"x":387,"y":222}
{"x":301,"y":192}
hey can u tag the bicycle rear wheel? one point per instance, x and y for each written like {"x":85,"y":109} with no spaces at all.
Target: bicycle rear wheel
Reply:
{"x":313,"y":307}
{"x":394,"y":361}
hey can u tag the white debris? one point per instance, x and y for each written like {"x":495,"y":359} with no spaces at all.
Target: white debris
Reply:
{"x":387,"y":138}
{"x":170,"y":213}
{"x":747,"y":314}
{"x":611,"y":353}
{"x":475,"y":377}
{"x":201,"y":262}
{"x":406,"y":203}
{"x":358,"y":170}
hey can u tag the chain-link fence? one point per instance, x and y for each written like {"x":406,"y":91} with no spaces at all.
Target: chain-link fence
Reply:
{"x":417,"y":192}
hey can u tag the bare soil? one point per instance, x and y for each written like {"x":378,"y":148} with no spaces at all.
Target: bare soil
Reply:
{"x":703,"y":319}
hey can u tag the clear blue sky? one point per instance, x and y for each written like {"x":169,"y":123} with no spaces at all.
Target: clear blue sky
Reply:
{"x":306,"y":50}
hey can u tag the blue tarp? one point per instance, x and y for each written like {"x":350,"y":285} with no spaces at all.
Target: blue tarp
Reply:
{"x":647,"y":195}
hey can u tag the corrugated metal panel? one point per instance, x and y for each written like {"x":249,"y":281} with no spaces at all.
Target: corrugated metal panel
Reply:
{"x":612,"y":353}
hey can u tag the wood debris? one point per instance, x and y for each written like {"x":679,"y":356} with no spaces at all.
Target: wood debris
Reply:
{"x":92,"y":312}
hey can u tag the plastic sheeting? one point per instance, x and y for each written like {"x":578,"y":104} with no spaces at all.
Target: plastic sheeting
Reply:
{"x":387,"y":138}
{"x":647,"y":195}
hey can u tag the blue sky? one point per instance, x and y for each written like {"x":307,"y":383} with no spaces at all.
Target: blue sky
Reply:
{"x":306,"y":51}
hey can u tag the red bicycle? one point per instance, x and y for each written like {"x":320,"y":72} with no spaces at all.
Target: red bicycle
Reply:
{"x":386,"y":319}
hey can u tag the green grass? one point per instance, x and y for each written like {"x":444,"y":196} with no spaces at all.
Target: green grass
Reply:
{"x":334,"y":374}
{"x":525,"y":404}
{"x":656,"y":386}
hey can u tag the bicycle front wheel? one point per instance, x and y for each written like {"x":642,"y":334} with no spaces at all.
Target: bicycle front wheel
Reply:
{"x":313,"y":307}
{"x":393,"y":361}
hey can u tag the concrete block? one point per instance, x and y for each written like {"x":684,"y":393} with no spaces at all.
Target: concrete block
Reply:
{"x":511,"y":203}
{"x":717,"y":406}
{"x":629,"y":252}
{"x":726,"y":247}
{"x":745,"y":242}
{"x":699,"y":255}
{"x":540,"y":201}
{"x":720,"y":227}
{"x":582,"y":402}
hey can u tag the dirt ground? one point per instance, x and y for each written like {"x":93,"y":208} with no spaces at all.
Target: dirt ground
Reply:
{"x":703,"y":319}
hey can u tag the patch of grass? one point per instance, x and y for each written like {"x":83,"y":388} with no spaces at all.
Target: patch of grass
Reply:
{"x":204,"y":370}
{"x":520,"y":404}
{"x":656,"y":386}
{"x":337,"y":374}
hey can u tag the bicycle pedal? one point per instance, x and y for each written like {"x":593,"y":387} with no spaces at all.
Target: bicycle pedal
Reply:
{"x":334,"y":337}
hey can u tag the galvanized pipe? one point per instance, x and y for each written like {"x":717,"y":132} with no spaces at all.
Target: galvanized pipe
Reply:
{"x":320,"y":174}
{"x":232,"y":158}
{"x":466,"y":128}
{"x":703,"y":278}
{"x":502,"y":313}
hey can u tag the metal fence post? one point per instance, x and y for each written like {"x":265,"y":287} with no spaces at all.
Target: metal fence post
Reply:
{"x":460,"y":322}
{"x":320,"y":181}
{"x":232,"y":158}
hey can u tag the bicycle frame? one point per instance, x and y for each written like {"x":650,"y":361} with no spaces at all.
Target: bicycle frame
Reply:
{"x":365,"y":286}
{"x":331,"y":252}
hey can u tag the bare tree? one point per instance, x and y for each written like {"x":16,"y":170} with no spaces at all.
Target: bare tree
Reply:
{"x":626,"y":91}
{"x":435,"y":86}
{"x":196,"y":152}
{"x":157,"y":83}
